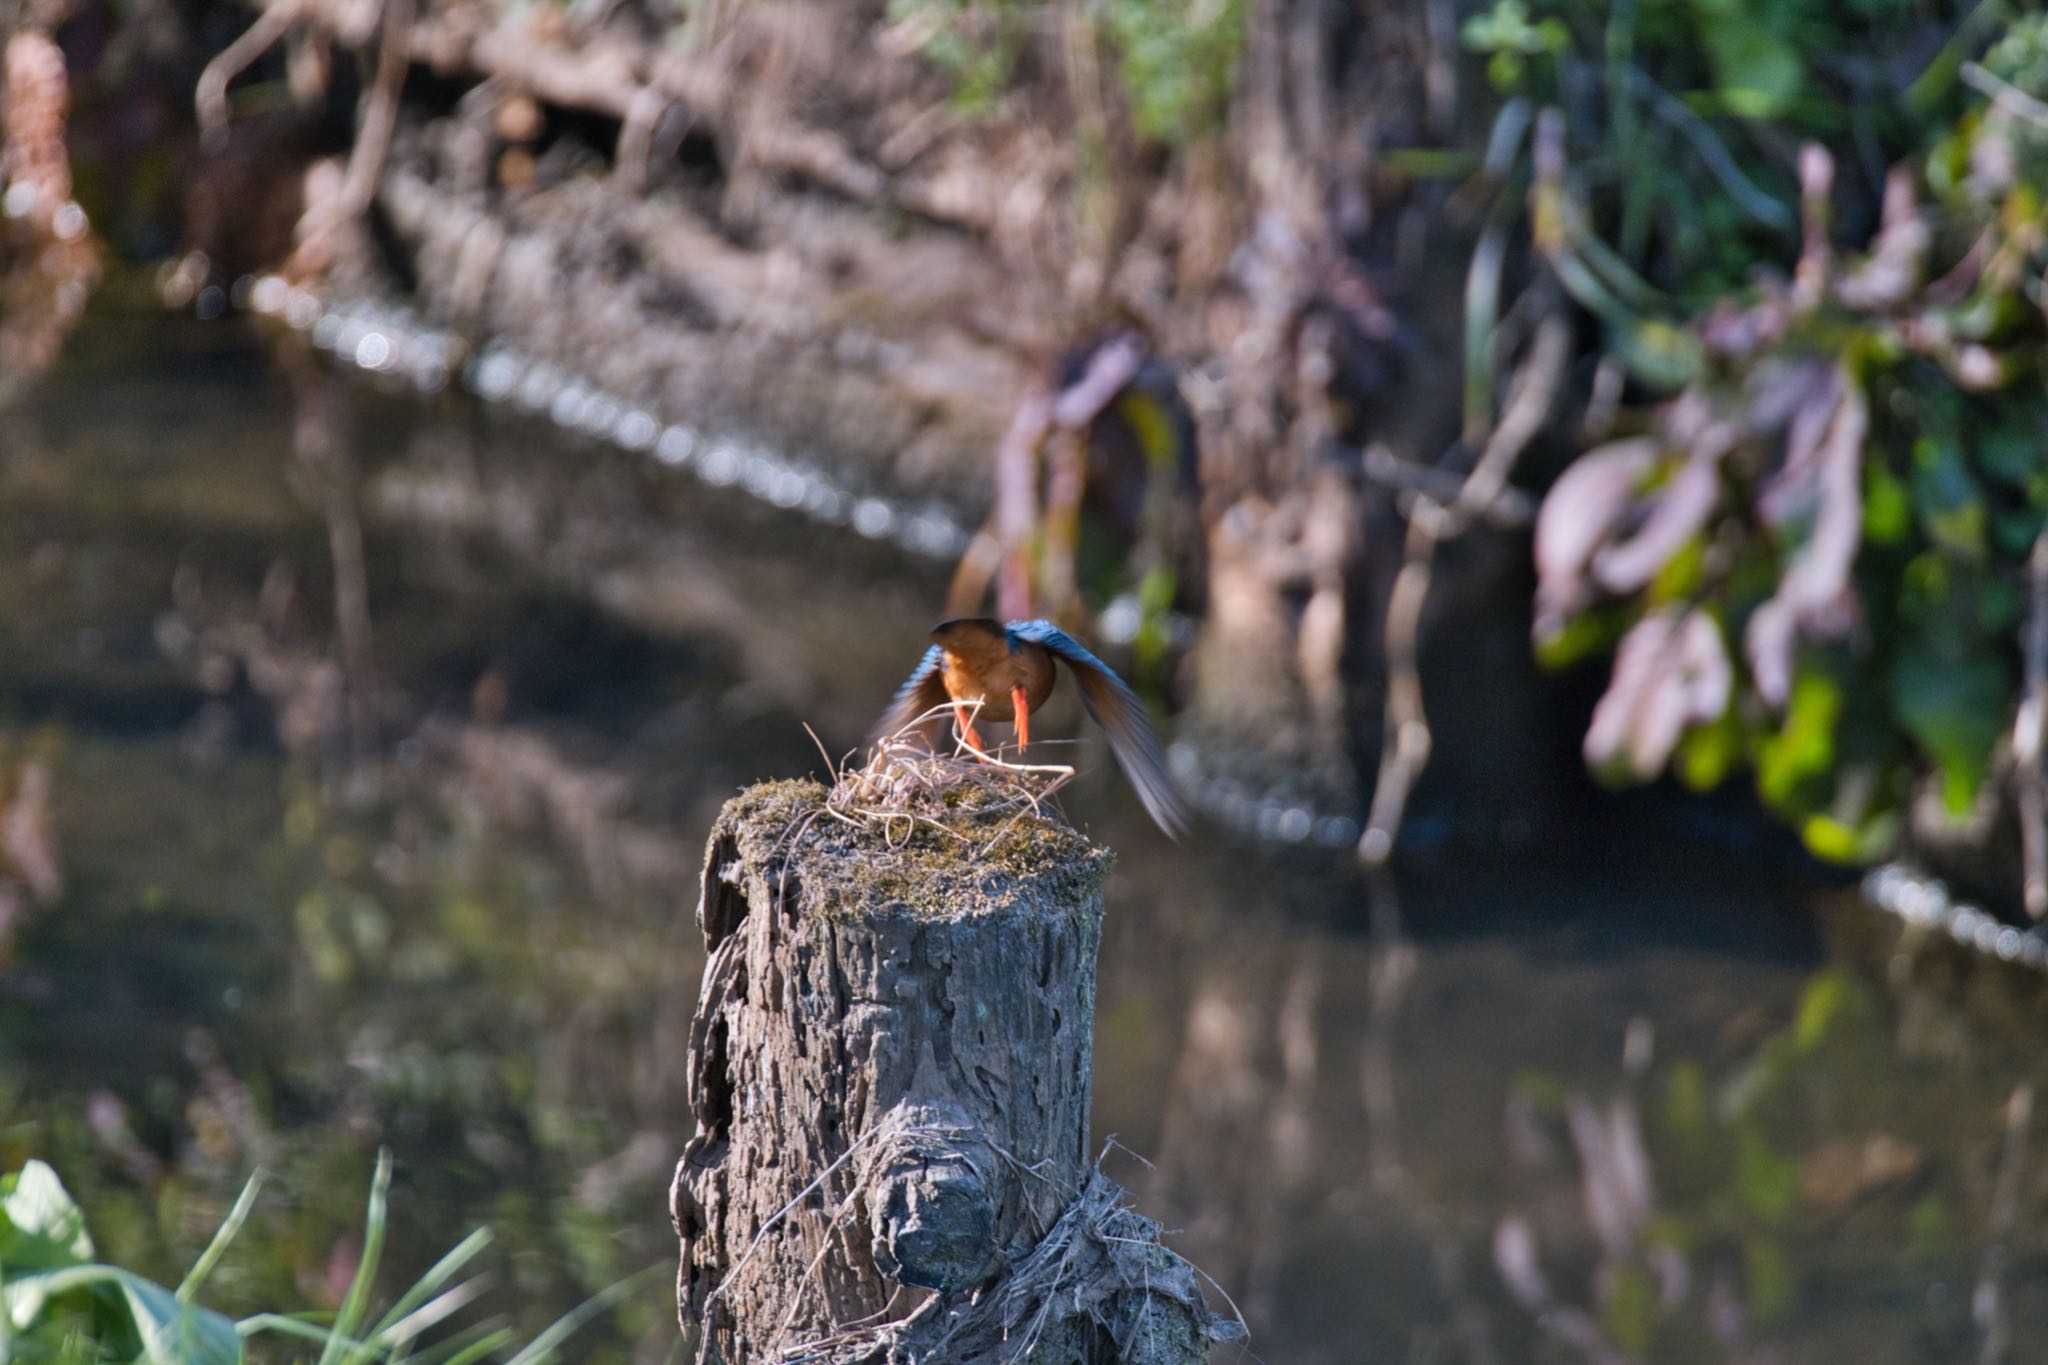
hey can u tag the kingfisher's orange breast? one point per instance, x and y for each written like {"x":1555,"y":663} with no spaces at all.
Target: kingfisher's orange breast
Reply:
{"x":990,"y":676}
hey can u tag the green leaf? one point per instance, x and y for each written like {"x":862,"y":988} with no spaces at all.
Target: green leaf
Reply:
{"x":1840,"y":840}
{"x":1764,"y":1180}
{"x":280,"y":1324}
{"x":1685,"y":1098}
{"x":1803,"y":749}
{"x":1955,"y":705}
{"x":175,"y":1333}
{"x":1708,"y":753}
{"x":1756,"y":73}
{"x":2011,"y":452}
{"x":1506,"y":29}
{"x":1680,"y":578}
{"x":1591,"y":632}
{"x":430,"y":1283}
{"x":1659,"y":353}
{"x":44,"y":1228}
{"x":1829,"y":839}
{"x":1630,"y":1312}
{"x":485,"y":1345}
{"x":2014,"y":530}
{"x":1828,"y":994}
{"x":166,"y":1331}
{"x":1950,"y":504}
{"x":1768,"y":1275}
{"x":1887,"y":511}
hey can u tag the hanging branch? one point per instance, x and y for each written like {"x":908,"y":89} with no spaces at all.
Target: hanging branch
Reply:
{"x":380,"y":113}
{"x":1405,"y":750}
{"x":1989,"y":1304}
{"x":2030,"y":775}
{"x":372,"y":147}
{"x":1052,"y":424}
{"x":210,"y":96}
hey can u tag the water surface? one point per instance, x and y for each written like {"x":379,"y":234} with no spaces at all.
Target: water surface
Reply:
{"x":385,"y":731}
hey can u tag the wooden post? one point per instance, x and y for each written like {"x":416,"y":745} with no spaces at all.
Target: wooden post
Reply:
{"x":889,"y":1070}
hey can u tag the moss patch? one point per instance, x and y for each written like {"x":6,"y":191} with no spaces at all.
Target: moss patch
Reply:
{"x":982,"y":861}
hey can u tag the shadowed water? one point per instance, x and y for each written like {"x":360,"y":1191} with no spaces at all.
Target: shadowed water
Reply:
{"x":383,"y":732}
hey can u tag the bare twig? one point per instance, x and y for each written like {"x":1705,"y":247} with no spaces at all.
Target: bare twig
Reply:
{"x":1529,"y":400}
{"x":1988,"y":1305}
{"x":635,"y":145}
{"x":1043,"y":414}
{"x":2004,"y":94}
{"x":210,"y":95}
{"x":380,"y":113}
{"x":1510,"y":510}
{"x":1016,"y":510}
{"x":1405,"y":750}
{"x":2029,"y":772}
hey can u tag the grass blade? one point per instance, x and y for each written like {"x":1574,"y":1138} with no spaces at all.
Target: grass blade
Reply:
{"x":430,"y":1283}
{"x":406,"y":1330}
{"x":245,"y":1203}
{"x":542,"y":1347}
{"x":471,"y":1352}
{"x":355,"y":1303}
{"x":285,"y":1325}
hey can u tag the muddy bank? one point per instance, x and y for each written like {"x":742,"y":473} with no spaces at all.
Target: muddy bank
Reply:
{"x":781,"y":220}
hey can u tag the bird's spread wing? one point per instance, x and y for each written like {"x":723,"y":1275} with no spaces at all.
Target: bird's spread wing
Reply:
{"x":1122,"y":717}
{"x":923,"y":691}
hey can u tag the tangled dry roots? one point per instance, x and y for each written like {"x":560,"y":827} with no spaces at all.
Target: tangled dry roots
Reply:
{"x":1099,"y":1287}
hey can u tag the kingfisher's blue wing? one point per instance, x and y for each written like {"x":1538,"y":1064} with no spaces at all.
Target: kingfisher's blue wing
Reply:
{"x":1122,"y":717}
{"x":924,"y":690}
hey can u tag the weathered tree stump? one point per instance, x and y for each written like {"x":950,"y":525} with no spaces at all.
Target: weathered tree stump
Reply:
{"x":889,"y":1069}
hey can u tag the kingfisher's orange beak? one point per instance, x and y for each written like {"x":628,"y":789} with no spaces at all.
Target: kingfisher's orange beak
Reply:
{"x":967,"y":728}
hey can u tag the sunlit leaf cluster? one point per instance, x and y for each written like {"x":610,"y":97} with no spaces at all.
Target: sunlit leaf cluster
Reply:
{"x":1813,"y":559}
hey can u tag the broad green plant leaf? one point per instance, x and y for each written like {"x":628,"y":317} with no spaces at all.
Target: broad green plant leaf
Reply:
{"x":44,"y":1227}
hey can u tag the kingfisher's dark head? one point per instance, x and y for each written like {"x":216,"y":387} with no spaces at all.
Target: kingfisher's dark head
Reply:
{"x":964,"y":633}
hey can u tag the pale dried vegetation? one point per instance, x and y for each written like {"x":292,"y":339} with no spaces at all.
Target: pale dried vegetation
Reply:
{"x":1099,"y":1282}
{"x":908,"y":784}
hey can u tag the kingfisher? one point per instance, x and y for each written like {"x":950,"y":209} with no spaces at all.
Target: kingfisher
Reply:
{"x":1008,"y":668}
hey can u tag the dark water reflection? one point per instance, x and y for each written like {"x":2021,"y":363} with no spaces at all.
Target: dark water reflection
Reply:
{"x":384,"y":736}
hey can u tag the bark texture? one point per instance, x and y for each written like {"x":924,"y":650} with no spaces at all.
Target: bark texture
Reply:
{"x":889,"y":1069}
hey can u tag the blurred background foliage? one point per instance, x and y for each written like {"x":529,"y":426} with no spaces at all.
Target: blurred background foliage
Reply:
{"x":1811,"y":238}
{"x":1175,"y":60}
{"x":1801,"y":501}
{"x":1807,"y":238}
